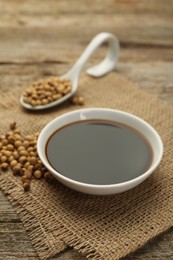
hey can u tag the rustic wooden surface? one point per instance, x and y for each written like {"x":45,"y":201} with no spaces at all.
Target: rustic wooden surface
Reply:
{"x":42,"y":38}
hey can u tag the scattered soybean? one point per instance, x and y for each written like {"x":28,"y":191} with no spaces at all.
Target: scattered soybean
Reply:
{"x":19,"y":154}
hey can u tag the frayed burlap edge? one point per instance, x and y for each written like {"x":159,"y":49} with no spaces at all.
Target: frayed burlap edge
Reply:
{"x":31,"y":224}
{"x":34,"y":229}
{"x":46,"y":248}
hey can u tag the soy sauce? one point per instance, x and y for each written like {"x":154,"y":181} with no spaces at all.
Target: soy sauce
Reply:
{"x":99,"y":152}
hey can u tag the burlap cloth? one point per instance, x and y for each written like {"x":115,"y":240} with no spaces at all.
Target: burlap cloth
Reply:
{"x":100,"y":227}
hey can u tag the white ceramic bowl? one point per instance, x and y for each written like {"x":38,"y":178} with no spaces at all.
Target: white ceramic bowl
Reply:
{"x":101,"y":113}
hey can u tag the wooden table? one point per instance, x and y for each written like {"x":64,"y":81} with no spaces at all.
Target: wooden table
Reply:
{"x":43,"y":38}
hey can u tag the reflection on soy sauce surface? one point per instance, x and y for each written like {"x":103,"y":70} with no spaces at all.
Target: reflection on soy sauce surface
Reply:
{"x":98,"y":152}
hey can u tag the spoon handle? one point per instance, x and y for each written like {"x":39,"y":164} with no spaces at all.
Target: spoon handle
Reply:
{"x":111,"y":59}
{"x":108,"y":64}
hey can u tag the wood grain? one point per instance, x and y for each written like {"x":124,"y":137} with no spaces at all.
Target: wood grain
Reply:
{"x":43,"y":38}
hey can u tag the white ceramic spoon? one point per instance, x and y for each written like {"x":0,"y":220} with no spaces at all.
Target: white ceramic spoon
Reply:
{"x":107,"y":65}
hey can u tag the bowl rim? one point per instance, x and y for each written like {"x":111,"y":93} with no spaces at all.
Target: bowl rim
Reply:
{"x":140,"y":178}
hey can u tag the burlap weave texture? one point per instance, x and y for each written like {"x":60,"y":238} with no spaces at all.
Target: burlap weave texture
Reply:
{"x":100,"y":227}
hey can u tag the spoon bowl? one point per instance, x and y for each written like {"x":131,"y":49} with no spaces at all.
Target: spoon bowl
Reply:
{"x":50,"y":105}
{"x":108,"y":64}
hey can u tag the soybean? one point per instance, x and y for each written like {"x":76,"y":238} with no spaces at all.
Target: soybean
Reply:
{"x":19,"y":153}
{"x":46,"y":91}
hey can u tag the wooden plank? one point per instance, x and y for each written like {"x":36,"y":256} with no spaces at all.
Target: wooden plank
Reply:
{"x":134,"y":22}
{"x":155,"y":77}
{"x":37,"y":39}
{"x":40,"y":45}
{"x":134,"y":29}
{"x":14,"y":242}
{"x":66,"y":7}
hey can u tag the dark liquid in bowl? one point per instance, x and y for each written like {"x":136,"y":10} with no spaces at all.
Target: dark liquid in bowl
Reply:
{"x":99,"y":152}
